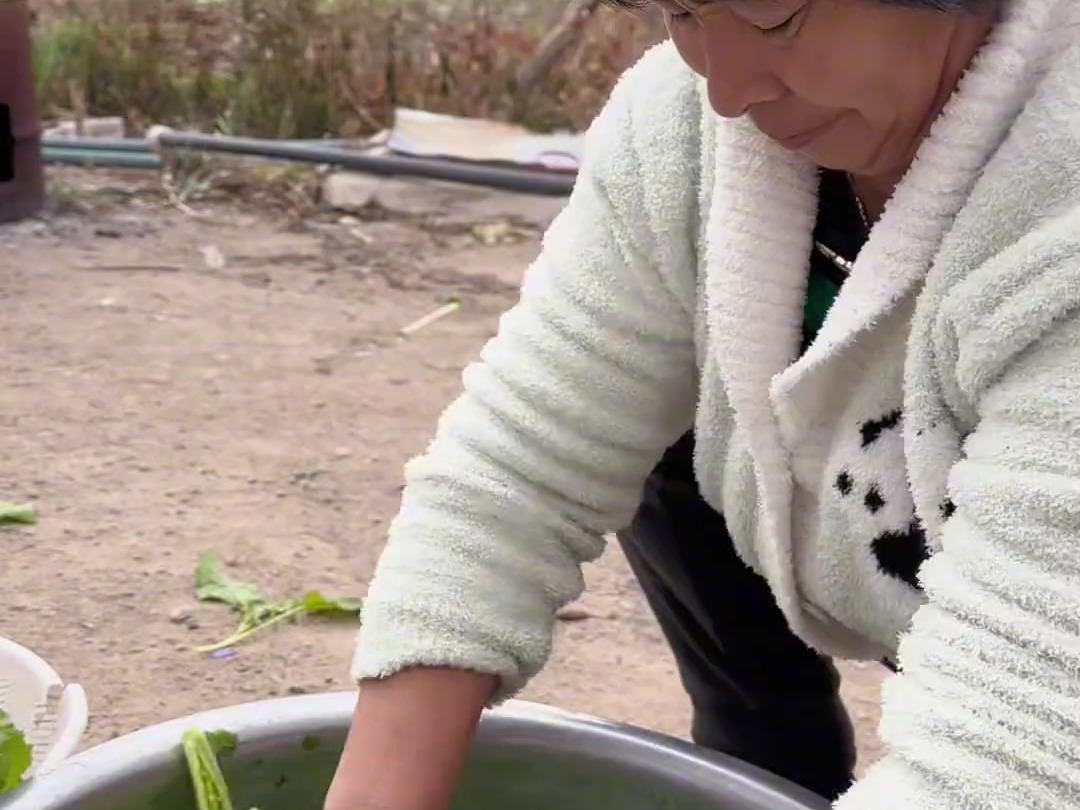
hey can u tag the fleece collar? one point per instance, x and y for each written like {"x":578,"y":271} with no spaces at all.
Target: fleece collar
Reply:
{"x":760,"y":228}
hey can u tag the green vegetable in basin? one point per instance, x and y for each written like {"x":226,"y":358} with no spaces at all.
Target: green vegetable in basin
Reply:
{"x":15,"y":755}
{"x":201,"y":752}
{"x":281,"y":754}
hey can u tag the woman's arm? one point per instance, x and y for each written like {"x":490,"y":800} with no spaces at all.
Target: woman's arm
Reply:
{"x":987,"y":711}
{"x":408,"y":740}
{"x":590,"y":376}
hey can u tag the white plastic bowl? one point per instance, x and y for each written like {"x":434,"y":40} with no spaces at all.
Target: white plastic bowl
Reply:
{"x":52,"y":715}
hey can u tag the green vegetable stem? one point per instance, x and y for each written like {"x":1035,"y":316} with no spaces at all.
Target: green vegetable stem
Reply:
{"x":207,"y":780}
{"x":201,"y":750}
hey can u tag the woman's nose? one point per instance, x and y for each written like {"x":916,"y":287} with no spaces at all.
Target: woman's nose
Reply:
{"x":737,"y":66}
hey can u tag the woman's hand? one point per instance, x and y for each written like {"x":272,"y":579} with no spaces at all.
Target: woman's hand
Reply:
{"x":409,"y":738}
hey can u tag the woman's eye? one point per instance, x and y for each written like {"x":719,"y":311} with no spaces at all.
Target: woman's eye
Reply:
{"x":676,"y":12}
{"x":770,"y":17}
{"x":679,"y":15}
{"x":779,"y":28}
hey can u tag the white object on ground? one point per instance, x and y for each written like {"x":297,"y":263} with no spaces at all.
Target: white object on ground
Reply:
{"x":52,"y":715}
{"x":109,"y":127}
{"x":420,"y":133}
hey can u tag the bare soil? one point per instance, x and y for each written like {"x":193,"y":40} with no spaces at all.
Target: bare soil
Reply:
{"x":231,"y":379}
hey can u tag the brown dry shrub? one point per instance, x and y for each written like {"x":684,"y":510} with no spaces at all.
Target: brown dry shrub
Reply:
{"x":317,"y":68}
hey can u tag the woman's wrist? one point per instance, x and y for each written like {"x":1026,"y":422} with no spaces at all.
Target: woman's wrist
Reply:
{"x":408,"y":741}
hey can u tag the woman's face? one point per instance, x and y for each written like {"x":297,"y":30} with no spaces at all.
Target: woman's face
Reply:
{"x":850,"y":84}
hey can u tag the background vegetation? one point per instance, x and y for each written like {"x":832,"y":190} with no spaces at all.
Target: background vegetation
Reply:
{"x":318,"y":68}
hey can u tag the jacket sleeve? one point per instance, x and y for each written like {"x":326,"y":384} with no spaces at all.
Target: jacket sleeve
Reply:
{"x":986,"y":712}
{"x":588,"y":379}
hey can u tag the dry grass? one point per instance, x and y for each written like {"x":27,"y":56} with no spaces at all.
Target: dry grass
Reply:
{"x":316,"y":68}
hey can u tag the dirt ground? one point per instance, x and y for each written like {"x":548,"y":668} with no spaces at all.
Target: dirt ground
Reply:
{"x":225,"y":378}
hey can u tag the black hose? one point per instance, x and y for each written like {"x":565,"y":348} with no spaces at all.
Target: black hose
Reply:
{"x":136,"y":144}
{"x":138,"y":153}
{"x":527,"y":181}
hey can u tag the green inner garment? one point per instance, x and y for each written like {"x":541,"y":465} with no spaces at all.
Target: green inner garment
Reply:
{"x":821,"y":292}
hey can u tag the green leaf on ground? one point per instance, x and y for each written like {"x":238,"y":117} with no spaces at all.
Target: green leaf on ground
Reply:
{"x":317,"y":604}
{"x":213,"y":585}
{"x":19,"y":514}
{"x":256,"y":612}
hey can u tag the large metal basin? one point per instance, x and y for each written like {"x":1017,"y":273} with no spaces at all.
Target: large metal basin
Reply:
{"x":526,"y":757}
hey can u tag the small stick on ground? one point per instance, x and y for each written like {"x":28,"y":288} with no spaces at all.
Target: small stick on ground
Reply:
{"x":132,"y":268}
{"x":430,"y":318}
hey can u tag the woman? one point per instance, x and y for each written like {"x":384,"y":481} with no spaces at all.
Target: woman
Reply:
{"x":905,"y":476}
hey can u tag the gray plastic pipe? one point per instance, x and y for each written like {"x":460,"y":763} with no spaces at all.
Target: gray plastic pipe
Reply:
{"x":98,"y":144}
{"x":100,"y":158}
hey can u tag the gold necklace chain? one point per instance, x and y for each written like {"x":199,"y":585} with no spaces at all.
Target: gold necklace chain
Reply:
{"x":858,"y":203}
{"x":834,"y":257}
{"x":839,"y":261}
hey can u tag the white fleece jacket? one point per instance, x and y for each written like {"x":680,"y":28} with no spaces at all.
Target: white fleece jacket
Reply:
{"x":910,"y":484}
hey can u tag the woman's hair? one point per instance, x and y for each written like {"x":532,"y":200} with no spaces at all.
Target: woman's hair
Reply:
{"x":945,"y":6}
